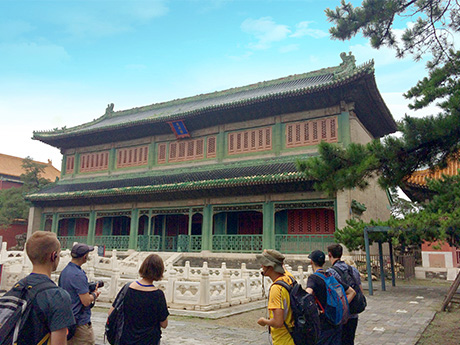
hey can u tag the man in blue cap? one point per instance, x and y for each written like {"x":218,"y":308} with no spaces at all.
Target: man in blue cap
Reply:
{"x":74,"y":280}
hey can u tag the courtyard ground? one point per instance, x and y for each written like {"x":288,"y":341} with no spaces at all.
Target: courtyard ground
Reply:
{"x":398,"y":316}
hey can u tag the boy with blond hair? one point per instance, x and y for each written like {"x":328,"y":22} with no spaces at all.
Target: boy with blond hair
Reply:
{"x":51,"y":313}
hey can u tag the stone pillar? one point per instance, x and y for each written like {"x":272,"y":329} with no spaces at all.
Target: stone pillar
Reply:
{"x":204,"y":286}
{"x":115,"y":276}
{"x":228,"y":283}
{"x":268,"y":238}
{"x":245,"y":275}
{"x":206,"y":231}
{"x":55,"y":223}
{"x":134,"y":229}
{"x":187,"y":270}
{"x":35,"y":220}
{"x":169,"y":293}
{"x":92,"y":228}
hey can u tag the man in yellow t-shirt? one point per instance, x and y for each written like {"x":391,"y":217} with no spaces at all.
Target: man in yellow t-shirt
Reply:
{"x":279,"y":305}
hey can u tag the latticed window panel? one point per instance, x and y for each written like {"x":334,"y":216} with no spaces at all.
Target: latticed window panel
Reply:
{"x":161,"y":153}
{"x":311,"y":132}
{"x":132,"y":156}
{"x":211,"y":147}
{"x":311,"y":221}
{"x":70,"y":164}
{"x":186,"y":150}
{"x":96,"y":161}
{"x":250,"y":141}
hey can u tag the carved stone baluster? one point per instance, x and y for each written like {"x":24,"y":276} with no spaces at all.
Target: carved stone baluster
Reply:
{"x":204,"y":286}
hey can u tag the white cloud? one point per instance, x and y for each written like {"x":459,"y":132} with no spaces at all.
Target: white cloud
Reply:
{"x":302,"y":30}
{"x":266,"y":31}
{"x":398,"y":106}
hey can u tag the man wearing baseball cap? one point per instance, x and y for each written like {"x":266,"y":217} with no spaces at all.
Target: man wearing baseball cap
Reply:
{"x":74,"y":280}
{"x":279,"y":307}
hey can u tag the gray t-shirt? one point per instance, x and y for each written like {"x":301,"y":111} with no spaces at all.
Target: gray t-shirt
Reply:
{"x":343,"y":266}
{"x":51,"y":311}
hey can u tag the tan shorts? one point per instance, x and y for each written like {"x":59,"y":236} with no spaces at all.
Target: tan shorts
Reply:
{"x":84,"y":335}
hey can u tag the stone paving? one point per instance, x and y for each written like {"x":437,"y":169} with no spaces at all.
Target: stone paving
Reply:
{"x":397,"y":316}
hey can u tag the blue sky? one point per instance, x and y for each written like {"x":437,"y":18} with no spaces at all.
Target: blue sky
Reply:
{"x":62,"y":62}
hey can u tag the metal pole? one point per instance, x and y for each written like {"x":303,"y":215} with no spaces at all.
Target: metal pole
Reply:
{"x":392,"y":261}
{"x":368,"y":261}
{"x":382,"y":270}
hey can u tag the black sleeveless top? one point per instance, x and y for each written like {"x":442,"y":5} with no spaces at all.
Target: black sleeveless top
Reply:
{"x":143,"y":311}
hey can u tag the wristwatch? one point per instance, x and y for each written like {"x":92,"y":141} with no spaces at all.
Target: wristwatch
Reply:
{"x":94,"y":301}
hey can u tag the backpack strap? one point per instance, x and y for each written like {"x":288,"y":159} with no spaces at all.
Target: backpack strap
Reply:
{"x":288,"y":288}
{"x":340,"y":273}
{"x":121,"y":296}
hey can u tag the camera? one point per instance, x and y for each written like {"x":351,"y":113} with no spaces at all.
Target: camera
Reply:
{"x":92,"y":285}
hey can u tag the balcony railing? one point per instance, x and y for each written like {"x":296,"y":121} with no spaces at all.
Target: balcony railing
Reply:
{"x":302,"y":244}
{"x":113,"y":242}
{"x":68,"y":241}
{"x":237,"y":243}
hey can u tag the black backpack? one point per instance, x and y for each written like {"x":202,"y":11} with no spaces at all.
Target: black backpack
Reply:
{"x":116,"y":319}
{"x":15,"y":308}
{"x":359,"y":303}
{"x":305,"y":313}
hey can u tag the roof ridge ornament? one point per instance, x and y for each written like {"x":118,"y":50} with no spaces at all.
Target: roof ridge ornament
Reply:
{"x":348,"y":64}
{"x":109,"y":109}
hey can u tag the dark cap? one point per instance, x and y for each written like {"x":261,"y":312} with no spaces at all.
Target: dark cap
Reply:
{"x":318,"y":257}
{"x":80,"y":249}
{"x":273,"y":258}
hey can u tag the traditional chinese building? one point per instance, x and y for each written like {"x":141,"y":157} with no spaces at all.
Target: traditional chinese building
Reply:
{"x":215,"y":172}
{"x":10,"y":177}
{"x":438,"y":259}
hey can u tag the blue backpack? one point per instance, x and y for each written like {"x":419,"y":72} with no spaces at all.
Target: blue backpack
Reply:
{"x":336,"y":309}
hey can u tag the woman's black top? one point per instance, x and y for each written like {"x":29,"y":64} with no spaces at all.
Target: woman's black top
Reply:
{"x":143,"y":312}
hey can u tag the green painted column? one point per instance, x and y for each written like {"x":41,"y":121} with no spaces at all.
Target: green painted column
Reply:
{"x":151,"y":160}
{"x":43,"y":221}
{"x":206,"y":231}
{"x":268,"y":225}
{"x":134,"y":229}
{"x":344,"y":128}
{"x":55,"y":223}
{"x":221,"y":146}
{"x":149,"y":225}
{"x":277,"y":138}
{"x":63,"y":166}
{"x":112,"y":159}
{"x":92,"y":228}
{"x":76,"y":167}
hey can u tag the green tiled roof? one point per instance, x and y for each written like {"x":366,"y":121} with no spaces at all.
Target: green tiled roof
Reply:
{"x":261,"y":172}
{"x":187,"y":108}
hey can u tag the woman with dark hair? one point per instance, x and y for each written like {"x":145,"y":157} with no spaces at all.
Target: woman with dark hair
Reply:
{"x":144,"y":306}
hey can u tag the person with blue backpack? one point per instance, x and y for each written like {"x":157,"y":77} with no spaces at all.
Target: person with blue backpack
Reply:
{"x":347,"y":274}
{"x":332,"y":299}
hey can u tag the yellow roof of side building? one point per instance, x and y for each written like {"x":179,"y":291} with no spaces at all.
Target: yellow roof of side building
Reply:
{"x":12,"y":166}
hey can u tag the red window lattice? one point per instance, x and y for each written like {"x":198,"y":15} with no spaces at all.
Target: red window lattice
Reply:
{"x":311,"y":132}
{"x":70,"y":164}
{"x":311,"y":221}
{"x":132,"y":156}
{"x":94,"y":161}
{"x":211,"y":147}
{"x":250,"y":141}
{"x":186,"y":150}
{"x":161,"y":153}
